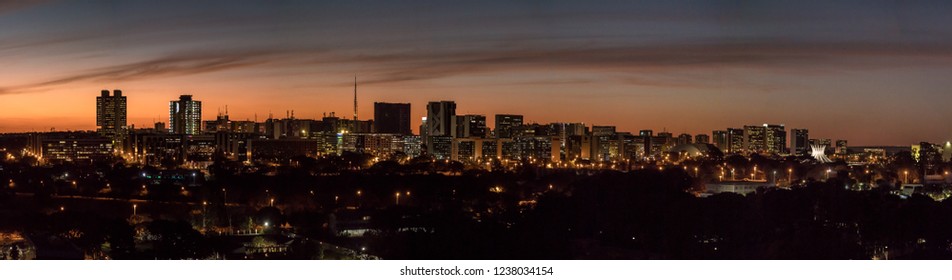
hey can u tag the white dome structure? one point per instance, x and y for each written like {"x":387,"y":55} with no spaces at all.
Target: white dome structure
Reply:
{"x":819,"y":153}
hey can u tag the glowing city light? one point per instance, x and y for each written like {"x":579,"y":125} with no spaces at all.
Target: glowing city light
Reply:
{"x":819,"y":153}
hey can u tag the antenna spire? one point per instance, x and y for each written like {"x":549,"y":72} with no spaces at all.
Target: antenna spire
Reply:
{"x":355,"y":97}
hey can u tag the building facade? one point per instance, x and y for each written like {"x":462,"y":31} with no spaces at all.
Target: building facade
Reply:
{"x":775,"y":139}
{"x":505,"y":123}
{"x":111,"y":114}
{"x":440,"y":117}
{"x":392,"y":118}
{"x":736,"y":143}
{"x":185,"y":116}
{"x":470,"y":126}
{"x":721,"y":140}
{"x":800,"y":141}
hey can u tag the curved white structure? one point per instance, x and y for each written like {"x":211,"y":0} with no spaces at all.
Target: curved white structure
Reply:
{"x":819,"y":153}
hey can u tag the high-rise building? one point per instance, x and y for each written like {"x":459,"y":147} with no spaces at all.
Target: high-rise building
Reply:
{"x":825,"y":142}
{"x":439,"y":125}
{"x":842,"y":148}
{"x":755,"y":139}
{"x":646,"y":135}
{"x":800,"y":141}
{"x":393,"y":118}
{"x":603,"y":140}
{"x":111,"y":114}
{"x":721,"y":140}
{"x":470,"y":126}
{"x":685,"y":138}
{"x":439,"y":118}
{"x":423,"y":129}
{"x":736,"y":140}
{"x":185,"y":116}
{"x":775,"y":138}
{"x":570,"y":129}
{"x":702,"y":139}
{"x":821,"y":141}
{"x":160,"y":127}
{"x":505,"y":123}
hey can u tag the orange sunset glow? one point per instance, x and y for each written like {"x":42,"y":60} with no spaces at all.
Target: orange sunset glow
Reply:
{"x":693,"y":77}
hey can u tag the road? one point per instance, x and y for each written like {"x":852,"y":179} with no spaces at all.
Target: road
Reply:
{"x":130,"y":200}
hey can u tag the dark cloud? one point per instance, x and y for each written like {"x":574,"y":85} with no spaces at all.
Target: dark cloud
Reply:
{"x":640,"y":65}
{"x":401,"y":42}
{"x":662,"y":58}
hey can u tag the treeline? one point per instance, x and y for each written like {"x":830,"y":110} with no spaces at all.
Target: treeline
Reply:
{"x":648,"y":215}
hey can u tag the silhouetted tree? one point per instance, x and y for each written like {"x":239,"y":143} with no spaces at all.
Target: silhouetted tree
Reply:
{"x":176,"y":240}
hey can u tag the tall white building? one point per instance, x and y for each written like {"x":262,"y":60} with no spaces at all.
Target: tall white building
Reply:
{"x":185,"y":116}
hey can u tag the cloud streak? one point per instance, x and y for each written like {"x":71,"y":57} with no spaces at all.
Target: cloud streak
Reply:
{"x":170,"y":66}
{"x":636,"y":65}
{"x":670,"y":59}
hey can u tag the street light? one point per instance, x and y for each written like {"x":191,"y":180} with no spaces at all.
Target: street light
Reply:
{"x":828,"y":173}
{"x":204,"y":210}
{"x":790,"y":175}
{"x":272,"y":202}
{"x":905,"y":178}
{"x":397,"y":195}
{"x":134,"y":207}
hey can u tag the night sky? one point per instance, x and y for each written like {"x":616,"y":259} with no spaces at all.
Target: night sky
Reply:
{"x":871,"y":72}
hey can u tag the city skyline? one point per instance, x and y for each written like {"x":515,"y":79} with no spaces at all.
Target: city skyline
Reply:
{"x":498,"y":131}
{"x":874,"y":76}
{"x":787,"y":138}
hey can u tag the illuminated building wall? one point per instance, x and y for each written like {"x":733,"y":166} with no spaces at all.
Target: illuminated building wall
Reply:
{"x":185,"y":115}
